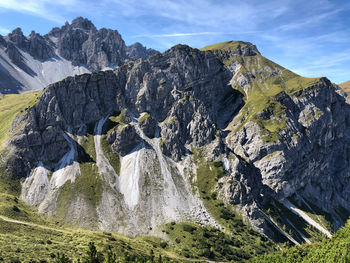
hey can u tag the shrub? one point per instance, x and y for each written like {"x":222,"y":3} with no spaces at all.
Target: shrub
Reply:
{"x":16,"y":209}
{"x":189,"y":228}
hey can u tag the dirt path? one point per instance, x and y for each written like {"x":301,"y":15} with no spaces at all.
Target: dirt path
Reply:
{"x":34,"y":225}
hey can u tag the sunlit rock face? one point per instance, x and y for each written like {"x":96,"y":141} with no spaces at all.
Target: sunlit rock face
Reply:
{"x":119,"y":150}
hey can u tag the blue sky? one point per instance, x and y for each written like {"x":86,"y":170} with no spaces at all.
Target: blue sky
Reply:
{"x":310,"y":37}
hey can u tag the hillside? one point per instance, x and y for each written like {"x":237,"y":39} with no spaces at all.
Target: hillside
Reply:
{"x":218,"y":147}
{"x":345,"y":86}
{"x":329,"y":250}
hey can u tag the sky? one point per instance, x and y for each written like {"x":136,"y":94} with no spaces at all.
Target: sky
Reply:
{"x":310,"y":37}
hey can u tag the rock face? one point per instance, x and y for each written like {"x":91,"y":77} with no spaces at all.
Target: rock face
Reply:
{"x":123,"y":146}
{"x":72,"y":49}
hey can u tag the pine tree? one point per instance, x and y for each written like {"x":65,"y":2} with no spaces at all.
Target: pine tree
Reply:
{"x":91,"y":256}
{"x":62,"y":259}
{"x":111,"y":256}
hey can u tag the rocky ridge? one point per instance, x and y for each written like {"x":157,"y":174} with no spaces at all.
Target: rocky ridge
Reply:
{"x":35,"y":61}
{"x":145,"y":130}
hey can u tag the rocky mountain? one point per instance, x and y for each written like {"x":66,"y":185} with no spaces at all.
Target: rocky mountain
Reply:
{"x":33,"y":62}
{"x":187,"y":135}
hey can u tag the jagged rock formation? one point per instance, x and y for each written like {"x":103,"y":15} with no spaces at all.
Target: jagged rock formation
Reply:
{"x":126,"y":146}
{"x":33,"y":62}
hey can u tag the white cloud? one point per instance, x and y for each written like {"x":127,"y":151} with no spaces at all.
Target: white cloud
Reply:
{"x":313,"y":20}
{"x":43,"y":8}
{"x":230,"y":14}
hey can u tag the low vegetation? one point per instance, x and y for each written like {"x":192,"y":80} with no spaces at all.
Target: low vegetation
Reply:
{"x":10,"y":106}
{"x":266,"y":85}
{"x":246,"y":241}
{"x":332,"y":250}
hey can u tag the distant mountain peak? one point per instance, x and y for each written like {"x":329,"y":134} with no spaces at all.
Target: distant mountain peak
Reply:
{"x":75,"y":48}
{"x":83,"y":23}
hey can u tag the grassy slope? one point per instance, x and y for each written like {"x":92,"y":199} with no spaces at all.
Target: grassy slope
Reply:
{"x":345,"y":86}
{"x":244,"y":241}
{"x":335,"y":249}
{"x":264,"y":90}
{"x":224,"y":45}
{"x":25,"y":242}
{"x":10,"y":106}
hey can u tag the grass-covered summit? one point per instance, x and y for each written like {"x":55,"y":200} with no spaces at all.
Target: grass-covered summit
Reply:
{"x":262,"y":82}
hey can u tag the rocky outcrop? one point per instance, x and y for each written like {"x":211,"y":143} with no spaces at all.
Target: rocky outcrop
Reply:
{"x":279,"y":138}
{"x":72,"y":49}
{"x":137,"y":50}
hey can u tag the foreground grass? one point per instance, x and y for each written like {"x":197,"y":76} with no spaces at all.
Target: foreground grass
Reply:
{"x":23,"y":243}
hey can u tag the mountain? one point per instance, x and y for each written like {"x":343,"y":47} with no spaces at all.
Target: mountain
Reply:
{"x":35,"y":61}
{"x":345,"y":86}
{"x":220,"y":137}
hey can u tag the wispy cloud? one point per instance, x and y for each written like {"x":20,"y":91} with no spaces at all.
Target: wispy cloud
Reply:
{"x":194,"y":34}
{"x":204,"y":12}
{"x":313,"y":20}
{"x":180,"y":34}
{"x":43,"y":8}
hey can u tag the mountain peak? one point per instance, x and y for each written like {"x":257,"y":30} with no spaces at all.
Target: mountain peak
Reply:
{"x":16,"y":31}
{"x":241,"y":48}
{"x":83,"y":23}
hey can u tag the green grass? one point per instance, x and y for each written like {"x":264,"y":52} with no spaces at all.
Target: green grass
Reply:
{"x":144,"y":117}
{"x":8,"y":184}
{"x":332,"y":250}
{"x":224,"y":45}
{"x":291,"y":223}
{"x":25,"y":243}
{"x":208,"y":175}
{"x":345,"y":86}
{"x":262,"y":97}
{"x":112,"y":157}
{"x":316,"y":214}
{"x":10,"y":106}
{"x":13,"y":207}
{"x":205,"y":242}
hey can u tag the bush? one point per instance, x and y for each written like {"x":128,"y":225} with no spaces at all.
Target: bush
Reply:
{"x":227,"y":215}
{"x":189,"y":228}
{"x":16,"y":209}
